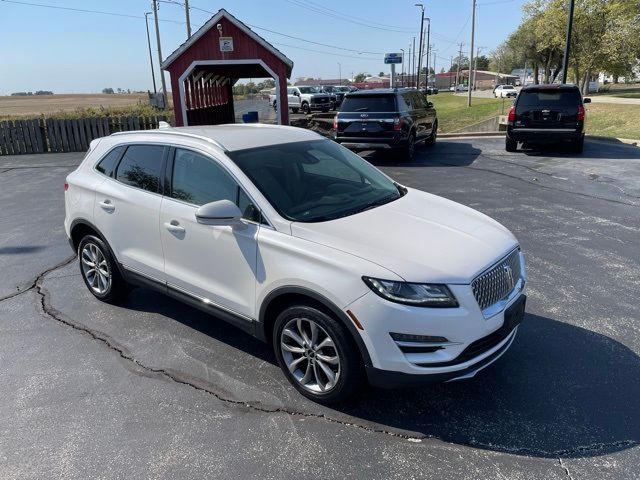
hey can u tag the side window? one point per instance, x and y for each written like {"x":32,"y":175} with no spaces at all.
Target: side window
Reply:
{"x":406,"y":99}
{"x":108,"y":163}
{"x":198,"y":179}
{"x":140,"y":167}
{"x":418,"y":101}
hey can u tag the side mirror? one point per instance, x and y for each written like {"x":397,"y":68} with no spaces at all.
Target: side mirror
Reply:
{"x":429,"y":104}
{"x":222,"y":213}
{"x":586,"y":100}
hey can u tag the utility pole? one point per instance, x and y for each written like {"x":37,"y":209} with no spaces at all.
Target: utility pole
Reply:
{"x":426,"y":78}
{"x":402,"y":68}
{"x":413,"y":69}
{"x":475,"y":66}
{"x":186,"y":12}
{"x":473,"y":31}
{"x":420,"y":45}
{"x":153,"y":75}
{"x":164,"y":84}
{"x":340,"y":72}
{"x":450,"y":71}
{"x":567,"y":46}
{"x":458,"y":71}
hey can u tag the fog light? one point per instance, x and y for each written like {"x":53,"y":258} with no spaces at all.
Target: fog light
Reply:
{"x":404,"y":337}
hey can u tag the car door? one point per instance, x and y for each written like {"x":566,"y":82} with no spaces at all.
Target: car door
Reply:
{"x":216,"y":264}
{"x":127,"y":209}
{"x":420,"y":114}
{"x":294,"y":100}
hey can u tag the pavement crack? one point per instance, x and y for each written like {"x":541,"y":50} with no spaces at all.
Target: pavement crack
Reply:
{"x":564,"y":467}
{"x":32,"y":284}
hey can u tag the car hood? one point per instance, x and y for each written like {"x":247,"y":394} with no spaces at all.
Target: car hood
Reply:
{"x":419,"y":237}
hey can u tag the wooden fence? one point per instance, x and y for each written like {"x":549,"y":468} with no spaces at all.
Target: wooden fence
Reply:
{"x":19,"y":137}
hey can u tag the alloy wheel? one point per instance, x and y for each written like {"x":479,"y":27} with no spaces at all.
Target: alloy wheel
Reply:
{"x":310,"y":355}
{"x":95,"y":269}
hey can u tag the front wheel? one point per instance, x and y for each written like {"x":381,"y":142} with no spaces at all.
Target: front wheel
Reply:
{"x":317,"y":355}
{"x":275,"y":106}
{"x":305,"y":108}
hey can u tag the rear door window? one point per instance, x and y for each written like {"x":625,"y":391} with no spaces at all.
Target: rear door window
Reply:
{"x":141,"y":166}
{"x":369,"y":103}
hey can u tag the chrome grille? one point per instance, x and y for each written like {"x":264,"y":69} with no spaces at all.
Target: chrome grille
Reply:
{"x":496,"y":283}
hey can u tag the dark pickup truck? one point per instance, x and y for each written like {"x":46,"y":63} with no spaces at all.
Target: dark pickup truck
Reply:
{"x":544,"y":114}
{"x":386,"y":119}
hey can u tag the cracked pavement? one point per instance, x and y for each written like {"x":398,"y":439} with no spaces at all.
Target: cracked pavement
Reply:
{"x":154,"y":389}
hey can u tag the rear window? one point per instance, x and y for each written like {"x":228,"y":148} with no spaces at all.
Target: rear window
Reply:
{"x":549,"y":98}
{"x":369,"y":103}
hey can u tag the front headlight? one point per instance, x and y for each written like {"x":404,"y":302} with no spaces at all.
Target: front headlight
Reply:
{"x":416,"y":294}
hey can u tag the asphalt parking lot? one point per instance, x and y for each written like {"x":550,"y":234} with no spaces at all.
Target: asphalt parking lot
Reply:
{"x":154,"y":389}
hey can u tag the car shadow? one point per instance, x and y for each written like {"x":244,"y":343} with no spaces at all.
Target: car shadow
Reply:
{"x":593,"y":149}
{"x":456,"y":154}
{"x":20,"y":250}
{"x":560,"y":391}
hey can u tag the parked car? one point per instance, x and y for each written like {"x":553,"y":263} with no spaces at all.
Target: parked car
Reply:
{"x":384,"y":119}
{"x":338,"y":92}
{"x":298,"y":241}
{"x":505,"y":91}
{"x":432,"y":90}
{"x":458,"y":88}
{"x":305,"y":98}
{"x":547,"y":114}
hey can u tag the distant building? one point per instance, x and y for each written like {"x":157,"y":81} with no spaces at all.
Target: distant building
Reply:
{"x":322,"y":81}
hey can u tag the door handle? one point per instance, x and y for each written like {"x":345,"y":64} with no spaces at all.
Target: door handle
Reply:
{"x":107,"y":206}
{"x":174,"y":227}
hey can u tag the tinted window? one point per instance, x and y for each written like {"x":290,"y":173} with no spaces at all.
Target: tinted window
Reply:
{"x":549,"y":98}
{"x":316,"y":180}
{"x":407,"y":99}
{"x":140,"y":167}
{"x":108,"y":163}
{"x":198,"y":179}
{"x":418,"y":101}
{"x":369,"y":103}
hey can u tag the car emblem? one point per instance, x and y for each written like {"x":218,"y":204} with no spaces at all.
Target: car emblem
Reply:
{"x":364,"y":115}
{"x":508,"y":272}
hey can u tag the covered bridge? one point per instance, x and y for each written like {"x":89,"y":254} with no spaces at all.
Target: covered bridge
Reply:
{"x":204,"y":69}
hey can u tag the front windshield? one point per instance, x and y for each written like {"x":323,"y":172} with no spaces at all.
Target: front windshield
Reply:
{"x":310,"y":89}
{"x":316,"y":180}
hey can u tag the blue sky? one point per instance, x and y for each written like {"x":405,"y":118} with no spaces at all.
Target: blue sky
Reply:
{"x":78,"y":52}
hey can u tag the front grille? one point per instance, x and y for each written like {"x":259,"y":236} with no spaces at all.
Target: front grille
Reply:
{"x":496,"y":283}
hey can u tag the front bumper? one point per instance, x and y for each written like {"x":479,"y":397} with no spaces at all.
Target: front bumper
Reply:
{"x":472,"y":341}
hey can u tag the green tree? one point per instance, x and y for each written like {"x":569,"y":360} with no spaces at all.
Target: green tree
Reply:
{"x":360,"y":77}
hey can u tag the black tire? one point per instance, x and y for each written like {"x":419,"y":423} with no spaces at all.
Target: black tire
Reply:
{"x":275,"y":106}
{"x":325,"y":110}
{"x":578,"y":146}
{"x":510,"y":145}
{"x":434,"y":135}
{"x":305,"y":108}
{"x":116,"y":288}
{"x":350,"y":367}
{"x":409,"y":150}
{"x":295,"y":109}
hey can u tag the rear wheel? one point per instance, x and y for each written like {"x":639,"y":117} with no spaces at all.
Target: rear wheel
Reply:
{"x":99,"y":270}
{"x":578,"y":146}
{"x":434,"y":134}
{"x":410,"y":148}
{"x":275,"y":106}
{"x":511,"y":145}
{"x":317,"y":355}
{"x":305,"y":107}
{"x":295,"y":109}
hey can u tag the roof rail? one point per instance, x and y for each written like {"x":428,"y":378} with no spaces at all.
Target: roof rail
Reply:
{"x":171,"y":131}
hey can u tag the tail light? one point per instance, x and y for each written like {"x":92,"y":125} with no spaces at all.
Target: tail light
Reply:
{"x":335,"y":122}
{"x":580,"y":116}
{"x":396,"y":124}
{"x":511,"y":117}
{"x":66,"y":186}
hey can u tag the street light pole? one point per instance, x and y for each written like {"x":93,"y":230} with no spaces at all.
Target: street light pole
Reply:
{"x":426,"y":78}
{"x":403,"y":74}
{"x":164,"y":84}
{"x":567,"y":47}
{"x":420,"y":44}
{"x":340,"y":73}
{"x":153,"y":75}
{"x":413,"y":68}
{"x":473,"y":31}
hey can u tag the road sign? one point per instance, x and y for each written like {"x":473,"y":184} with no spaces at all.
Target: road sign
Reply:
{"x":392,"y":58}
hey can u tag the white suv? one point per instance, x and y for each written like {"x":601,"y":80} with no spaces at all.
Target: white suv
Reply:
{"x":303,"y":244}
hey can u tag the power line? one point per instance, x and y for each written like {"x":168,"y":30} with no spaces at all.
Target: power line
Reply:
{"x":82,"y":10}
